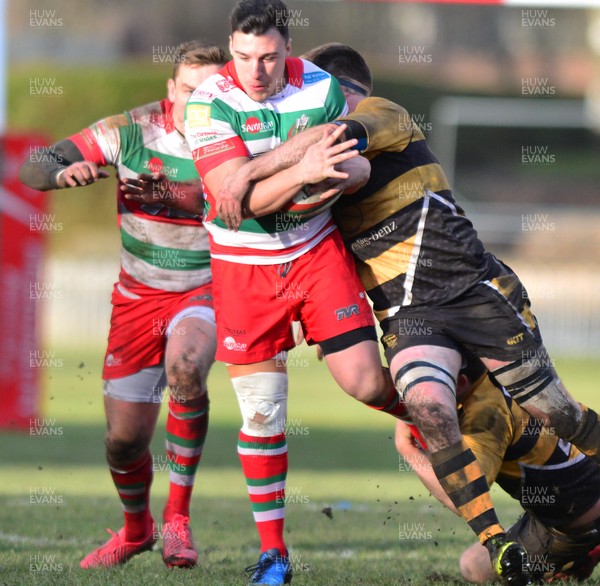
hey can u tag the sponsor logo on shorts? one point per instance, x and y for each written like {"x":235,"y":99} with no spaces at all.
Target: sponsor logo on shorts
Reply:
{"x":230,"y":343}
{"x":112,"y":360}
{"x":344,"y":312}
{"x":391,"y":340}
{"x":236,"y":332}
{"x":515,"y":339}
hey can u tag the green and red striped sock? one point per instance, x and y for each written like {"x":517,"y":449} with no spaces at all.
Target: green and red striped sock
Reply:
{"x":133,"y":486}
{"x":187,"y":424}
{"x":265,"y":463}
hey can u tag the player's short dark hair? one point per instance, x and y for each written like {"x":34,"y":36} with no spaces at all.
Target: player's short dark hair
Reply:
{"x":256,"y":17}
{"x":197,"y":52}
{"x":343,"y":62}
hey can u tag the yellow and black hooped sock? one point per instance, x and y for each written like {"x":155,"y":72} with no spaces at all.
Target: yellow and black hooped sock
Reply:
{"x":465,"y":484}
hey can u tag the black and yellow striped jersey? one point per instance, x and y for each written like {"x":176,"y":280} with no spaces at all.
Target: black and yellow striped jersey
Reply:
{"x":546,"y":474}
{"x":412,"y":243}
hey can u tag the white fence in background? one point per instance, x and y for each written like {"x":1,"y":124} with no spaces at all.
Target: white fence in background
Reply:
{"x":76,"y":310}
{"x":76,"y":305}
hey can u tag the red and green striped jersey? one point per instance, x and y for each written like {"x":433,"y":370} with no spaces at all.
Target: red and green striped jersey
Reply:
{"x":222,"y":122}
{"x":161,"y":247}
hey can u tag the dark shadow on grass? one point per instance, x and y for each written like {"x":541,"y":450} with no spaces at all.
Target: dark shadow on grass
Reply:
{"x":312,"y":448}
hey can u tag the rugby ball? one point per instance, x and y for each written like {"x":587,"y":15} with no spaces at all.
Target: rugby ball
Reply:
{"x":307,"y":202}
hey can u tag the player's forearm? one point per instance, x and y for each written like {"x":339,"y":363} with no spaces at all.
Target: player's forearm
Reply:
{"x":284,"y":156}
{"x":40,"y":176}
{"x":277,"y":191}
{"x":40,"y":170}
{"x":272,"y":194}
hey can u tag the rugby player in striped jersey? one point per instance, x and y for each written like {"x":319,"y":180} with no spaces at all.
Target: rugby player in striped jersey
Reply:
{"x":276,"y":269}
{"x":162,"y":326}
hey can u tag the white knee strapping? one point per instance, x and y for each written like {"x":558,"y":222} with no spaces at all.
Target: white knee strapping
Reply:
{"x":420,"y":371}
{"x":263,"y":402}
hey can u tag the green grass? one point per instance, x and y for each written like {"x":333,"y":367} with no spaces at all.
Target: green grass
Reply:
{"x":341,"y":456}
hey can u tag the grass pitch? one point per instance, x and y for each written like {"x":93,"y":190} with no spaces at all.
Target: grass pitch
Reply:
{"x":356,"y":513}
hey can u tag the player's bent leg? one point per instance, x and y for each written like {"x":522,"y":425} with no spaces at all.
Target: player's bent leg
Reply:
{"x":354,"y":361}
{"x":358,"y":371}
{"x":534,"y":384}
{"x":131,"y":418}
{"x":262,"y":391}
{"x":130,"y":427}
{"x":189,"y":354}
{"x":425,"y":377}
{"x":475,"y":565}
